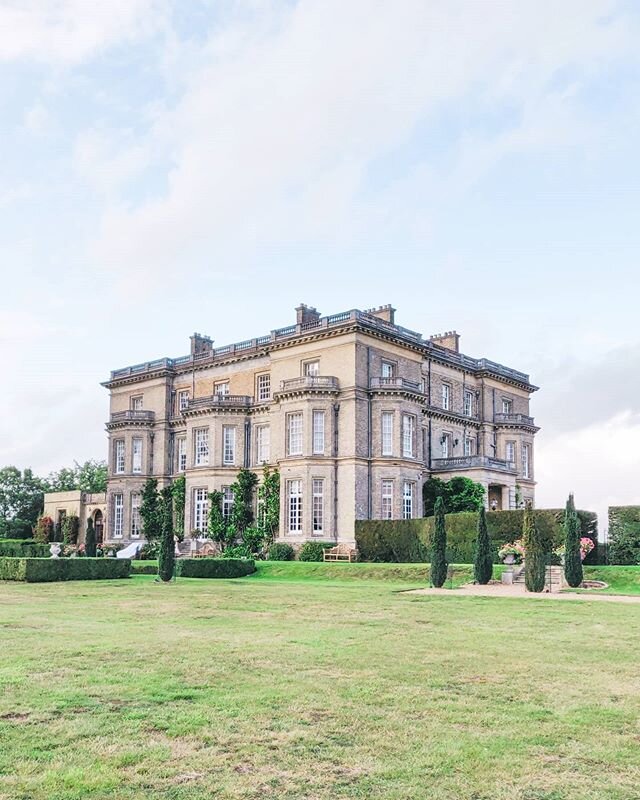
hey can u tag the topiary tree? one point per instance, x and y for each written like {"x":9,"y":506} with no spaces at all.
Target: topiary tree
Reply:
{"x":167,"y":553}
{"x":439,"y":547}
{"x":43,"y":531}
{"x":90,"y":539}
{"x":150,"y":511}
{"x":281,"y":551}
{"x":572,"y":555}
{"x":535,"y":563}
{"x":179,"y":491}
{"x":70,"y":529}
{"x":483,"y":562}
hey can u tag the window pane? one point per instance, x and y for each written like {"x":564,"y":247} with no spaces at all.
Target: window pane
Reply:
{"x":318,"y":505}
{"x":387,"y":500}
{"x":387,"y":433}
{"x":295,"y":435}
{"x":229,"y":444}
{"x":318,"y":432}
{"x":294,"y":493}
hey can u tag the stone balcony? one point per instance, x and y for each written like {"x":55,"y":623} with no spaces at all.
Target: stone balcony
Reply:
{"x":518,"y":420}
{"x":119,"y":419}
{"x":219,"y":401}
{"x":472,"y":462}
{"x":396,"y":383}
{"x":319,"y":384}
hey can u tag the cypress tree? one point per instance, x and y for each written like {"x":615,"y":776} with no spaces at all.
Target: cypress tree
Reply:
{"x":150,"y":511}
{"x":483,"y":563}
{"x":534,"y":553}
{"x":90,"y":539}
{"x":572,"y":559}
{"x":167,"y":553}
{"x":439,"y":546}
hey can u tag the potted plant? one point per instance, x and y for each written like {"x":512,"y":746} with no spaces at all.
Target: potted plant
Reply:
{"x":511,"y":553}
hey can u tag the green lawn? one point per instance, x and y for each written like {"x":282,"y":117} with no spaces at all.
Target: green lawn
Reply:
{"x":313,"y":687}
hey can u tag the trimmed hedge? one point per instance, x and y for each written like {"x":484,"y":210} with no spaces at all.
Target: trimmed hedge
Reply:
{"x":41,"y":570}
{"x":409,"y":540}
{"x":281,"y":551}
{"x":314,"y":551}
{"x":624,"y":535}
{"x":23,"y":548}
{"x":214,"y":567}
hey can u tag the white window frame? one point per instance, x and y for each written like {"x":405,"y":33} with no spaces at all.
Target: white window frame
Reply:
{"x":387,"y":370}
{"x":263,"y":387}
{"x":469,"y":446}
{"x":137,"y":402}
{"x":386,"y":433}
{"x":311,"y":369}
{"x":446,"y":396}
{"x":295,"y":429}
{"x":469,"y":398}
{"x":227,"y":502}
{"x":386,"y":499}
{"x":408,"y":490}
{"x":119,"y":460}
{"x":183,"y":399}
{"x":317,"y":506}
{"x":507,"y":405}
{"x":510,"y":452}
{"x":318,"y":427}
{"x":181,"y":453}
{"x":228,"y":444}
{"x":221,"y":388}
{"x":526,"y":461}
{"x":201,"y":447}
{"x":294,"y":506}
{"x":136,"y":519}
{"x":118,"y":515}
{"x":200,"y":509}
{"x":263,"y":444}
{"x":408,"y":435}
{"x":446,"y":441}
{"x":136,"y":455}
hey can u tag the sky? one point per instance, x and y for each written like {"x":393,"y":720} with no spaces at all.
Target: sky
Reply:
{"x":172,"y":167}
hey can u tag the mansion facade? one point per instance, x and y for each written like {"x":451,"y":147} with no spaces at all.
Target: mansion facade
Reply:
{"x":354,"y":411}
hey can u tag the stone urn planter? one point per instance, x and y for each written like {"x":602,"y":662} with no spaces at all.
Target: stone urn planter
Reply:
{"x":509,"y":560}
{"x":55,"y":550}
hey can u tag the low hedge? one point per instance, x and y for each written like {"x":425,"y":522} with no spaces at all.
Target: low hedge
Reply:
{"x":410,"y":540}
{"x":23,"y":548}
{"x":314,"y":551}
{"x":41,"y":570}
{"x":214,"y":567}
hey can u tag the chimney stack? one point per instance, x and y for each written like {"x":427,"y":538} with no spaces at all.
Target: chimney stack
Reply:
{"x":449,"y":339}
{"x":201,"y":344}
{"x":386,"y":313}
{"x":305,"y":314}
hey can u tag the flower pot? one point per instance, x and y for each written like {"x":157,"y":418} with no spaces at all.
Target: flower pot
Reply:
{"x":509,"y":559}
{"x":55,"y":550}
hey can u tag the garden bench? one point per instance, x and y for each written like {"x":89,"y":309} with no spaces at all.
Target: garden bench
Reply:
{"x":341,"y":552}
{"x":207,"y":549}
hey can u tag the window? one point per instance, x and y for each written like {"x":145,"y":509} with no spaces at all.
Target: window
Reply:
{"x":526,"y":461}
{"x":263,"y":444}
{"x":118,"y":456}
{"x":445,"y":442}
{"x":408,"y":431}
{"x":407,"y":500}
{"x":200,"y":509}
{"x":469,"y":446}
{"x":311,"y":368}
{"x":228,"y":444}
{"x":136,"y":403}
{"x":183,"y":399}
{"x":294,"y":506}
{"x":182,"y":454}
{"x":468,"y":404}
{"x":388,"y":369}
{"x":318,"y":433}
{"x":227,"y":501}
{"x":201,"y":449}
{"x":507,"y":406}
{"x":318,"y":505}
{"x":386,"y":507}
{"x":221,"y":388}
{"x":136,"y":522}
{"x":510,"y":452}
{"x":387,"y":433}
{"x":264,"y":387}
{"x":294,"y":431}
{"x":136,"y":457}
{"x":446,"y":397}
{"x":118,"y":515}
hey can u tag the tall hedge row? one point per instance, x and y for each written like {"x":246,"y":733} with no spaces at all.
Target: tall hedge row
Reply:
{"x":410,"y":540}
{"x":214,"y":567}
{"x":624,"y":535}
{"x":23,"y":548}
{"x":46,"y":570}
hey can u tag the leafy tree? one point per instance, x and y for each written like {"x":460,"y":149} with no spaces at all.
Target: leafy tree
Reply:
{"x":269,"y":505}
{"x":150,"y":511}
{"x":88,"y":477}
{"x":624,"y":544}
{"x":21,"y":495}
{"x":439,"y":546}
{"x":167,"y":553}
{"x":572,"y":556}
{"x":483,"y":563}
{"x":535,"y":563}
{"x":179,"y":491}
{"x":90,"y":539}
{"x":217,"y":527}
{"x":458,"y":494}
{"x":241,"y":516}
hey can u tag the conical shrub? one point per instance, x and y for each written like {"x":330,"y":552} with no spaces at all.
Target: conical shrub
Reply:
{"x":572,"y":560}
{"x":167,"y":552}
{"x":439,"y":546}
{"x":535,"y":564}
{"x":483,"y":562}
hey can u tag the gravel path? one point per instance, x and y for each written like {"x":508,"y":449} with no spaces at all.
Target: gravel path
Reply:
{"x":500,"y":590}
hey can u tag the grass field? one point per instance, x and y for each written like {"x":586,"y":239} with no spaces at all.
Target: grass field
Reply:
{"x":301,"y":685}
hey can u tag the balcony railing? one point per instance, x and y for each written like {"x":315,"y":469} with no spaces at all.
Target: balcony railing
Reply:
{"x":514,"y":419}
{"x":472,"y":462}
{"x":310,"y":382}
{"x":219,"y":401}
{"x":132,"y":416}
{"x":396,"y":383}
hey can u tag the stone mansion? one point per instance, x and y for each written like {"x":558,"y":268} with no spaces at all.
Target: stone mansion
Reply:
{"x":354,"y":411}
